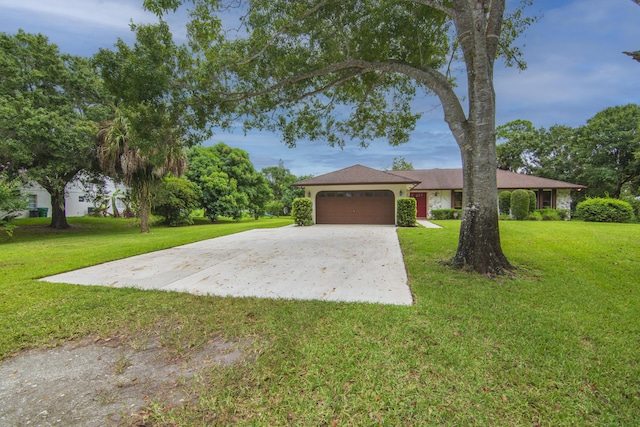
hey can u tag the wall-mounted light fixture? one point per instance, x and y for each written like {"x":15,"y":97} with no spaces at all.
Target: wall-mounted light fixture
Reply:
{"x":400,"y":193}
{"x":309,"y":194}
{"x":436,"y":194}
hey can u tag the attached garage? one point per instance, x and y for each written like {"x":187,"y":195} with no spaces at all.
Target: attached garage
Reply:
{"x":356,"y":195}
{"x":355,"y":207}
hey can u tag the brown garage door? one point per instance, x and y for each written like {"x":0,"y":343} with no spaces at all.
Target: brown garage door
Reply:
{"x":355,"y":207}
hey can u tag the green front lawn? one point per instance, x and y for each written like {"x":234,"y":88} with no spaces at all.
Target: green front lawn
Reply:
{"x":556,"y":345}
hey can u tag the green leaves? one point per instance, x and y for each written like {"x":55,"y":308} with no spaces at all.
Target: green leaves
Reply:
{"x":48,"y":106}
{"x":228,"y":181}
{"x":601,"y":154}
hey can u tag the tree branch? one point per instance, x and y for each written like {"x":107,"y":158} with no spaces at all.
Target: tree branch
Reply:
{"x":432,"y":79}
{"x":285,"y":28}
{"x":635,"y":55}
{"x":494,"y":28}
{"x":434,"y":4}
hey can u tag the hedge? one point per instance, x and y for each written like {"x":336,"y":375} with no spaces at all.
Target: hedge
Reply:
{"x":533,"y":201}
{"x":302,"y":211}
{"x":446,"y":214}
{"x":504,"y":202}
{"x":407,"y":212}
{"x":600,"y":209}
{"x":520,"y":204}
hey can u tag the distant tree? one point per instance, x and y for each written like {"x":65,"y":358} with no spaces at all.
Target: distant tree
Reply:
{"x":400,"y":164}
{"x":50,"y":104}
{"x":518,"y":142}
{"x":607,"y":151}
{"x":154,"y":120}
{"x":601,"y":155}
{"x":280,"y":179}
{"x":228,"y":181}
{"x":175,"y":199}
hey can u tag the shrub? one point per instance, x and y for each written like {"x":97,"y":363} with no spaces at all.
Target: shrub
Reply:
{"x":302,"y":211}
{"x":175,"y":199}
{"x":446,"y":214}
{"x":548,"y":214}
{"x":504,"y":202}
{"x":520,"y":204}
{"x":533,"y":201}
{"x":407,"y":212}
{"x":600,"y":209}
{"x":534,"y":216}
{"x":12,"y":202}
{"x":274,"y":208}
{"x":635,"y":205}
{"x":565,"y":214}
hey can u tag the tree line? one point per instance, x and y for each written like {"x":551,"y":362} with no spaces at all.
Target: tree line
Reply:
{"x":126,"y":114}
{"x":603,"y":154}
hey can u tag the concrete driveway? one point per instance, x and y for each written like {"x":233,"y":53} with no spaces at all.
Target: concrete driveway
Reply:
{"x":356,"y":263}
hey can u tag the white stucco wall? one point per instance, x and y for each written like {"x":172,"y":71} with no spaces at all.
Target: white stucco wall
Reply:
{"x":77,"y":202}
{"x":563,"y":199}
{"x":438,"y":199}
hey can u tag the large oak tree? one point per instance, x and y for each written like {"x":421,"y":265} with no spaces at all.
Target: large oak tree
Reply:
{"x":343,"y":70}
{"x":49,"y":107}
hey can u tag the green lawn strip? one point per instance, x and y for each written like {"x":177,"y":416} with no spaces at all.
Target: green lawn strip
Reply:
{"x":556,"y":345}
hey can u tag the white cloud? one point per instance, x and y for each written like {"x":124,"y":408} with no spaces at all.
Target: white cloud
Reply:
{"x":113,"y":14}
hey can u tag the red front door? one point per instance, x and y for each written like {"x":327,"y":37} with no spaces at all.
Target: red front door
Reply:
{"x":421,"y":204}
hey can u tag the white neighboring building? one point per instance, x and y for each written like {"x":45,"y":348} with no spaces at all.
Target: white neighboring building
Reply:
{"x":80,"y":200}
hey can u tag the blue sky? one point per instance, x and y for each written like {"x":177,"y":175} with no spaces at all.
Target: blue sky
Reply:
{"x":575,"y":69}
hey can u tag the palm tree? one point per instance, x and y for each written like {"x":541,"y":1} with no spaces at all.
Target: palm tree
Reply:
{"x":139,"y":162}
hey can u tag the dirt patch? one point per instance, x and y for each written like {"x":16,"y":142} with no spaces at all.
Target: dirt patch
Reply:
{"x":96,"y":382}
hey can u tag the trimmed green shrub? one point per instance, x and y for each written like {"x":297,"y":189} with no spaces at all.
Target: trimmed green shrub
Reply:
{"x":175,"y":199}
{"x":504,"y":202}
{"x":274,"y":208}
{"x":446,"y":214}
{"x":302,"y":211}
{"x":520,"y":204}
{"x":534,"y":216}
{"x":600,"y":209}
{"x":549,"y":214}
{"x":533,"y":201}
{"x":406,"y":212}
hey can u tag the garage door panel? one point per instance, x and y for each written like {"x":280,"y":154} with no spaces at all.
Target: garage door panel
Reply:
{"x":355,"y":207}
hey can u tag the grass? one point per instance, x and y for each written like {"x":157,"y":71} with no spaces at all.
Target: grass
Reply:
{"x":556,"y":345}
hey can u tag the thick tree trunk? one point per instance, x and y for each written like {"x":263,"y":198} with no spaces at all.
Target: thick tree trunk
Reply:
{"x":144,"y":207}
{"x":479,"y":247}
{"x":58,"y":209}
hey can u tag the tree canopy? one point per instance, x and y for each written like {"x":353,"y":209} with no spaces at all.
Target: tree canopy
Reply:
{"x":279,"y":179}
{"x":153,"y":119}
{"x":348,"y":70}
{"x":49,"y":107}
{"x":601,"y":154}
{"x":229,"y":184}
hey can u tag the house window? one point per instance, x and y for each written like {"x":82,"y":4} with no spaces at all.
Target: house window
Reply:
{"x":456,"y":199}
{"x":546,"y":199}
